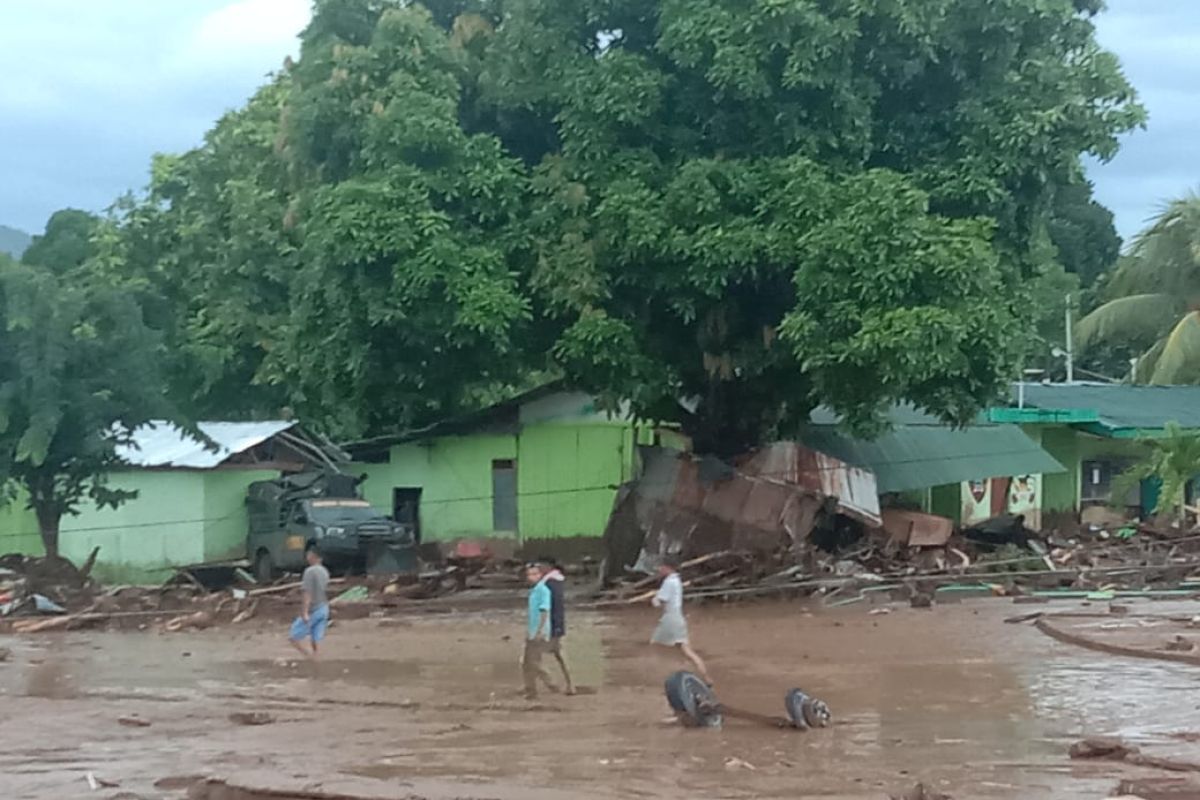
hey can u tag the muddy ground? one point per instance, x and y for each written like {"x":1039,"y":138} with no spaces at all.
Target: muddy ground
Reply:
{"x":427,"y":707}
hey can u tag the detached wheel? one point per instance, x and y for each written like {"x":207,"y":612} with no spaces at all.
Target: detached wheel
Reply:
{"x":806,"y":712}
{"x":264,"y":567}
{"x":692,"y":700}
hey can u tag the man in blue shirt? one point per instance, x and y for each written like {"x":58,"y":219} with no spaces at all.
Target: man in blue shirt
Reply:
{"x":537,"y":633}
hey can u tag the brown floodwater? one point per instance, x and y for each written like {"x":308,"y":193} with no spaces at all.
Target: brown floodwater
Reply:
{"x":429,"y":707}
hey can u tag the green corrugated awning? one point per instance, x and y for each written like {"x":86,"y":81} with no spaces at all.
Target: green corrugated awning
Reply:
{"x":920,"y":456}
{"x":1115,"y":410}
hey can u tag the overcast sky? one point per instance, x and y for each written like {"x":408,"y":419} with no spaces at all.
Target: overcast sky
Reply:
{"x":92,"y":88}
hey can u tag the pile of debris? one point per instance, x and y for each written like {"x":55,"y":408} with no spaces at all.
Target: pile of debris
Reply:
{"x":51,"y":594}
{"x":790,"y":521}
{"x":49,"y":585}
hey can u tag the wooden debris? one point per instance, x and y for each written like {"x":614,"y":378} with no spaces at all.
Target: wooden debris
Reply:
{"x":251,"y":718}
{"x":133,"y":722}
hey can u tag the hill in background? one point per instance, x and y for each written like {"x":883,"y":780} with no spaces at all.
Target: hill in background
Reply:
{"x":13,"y":241}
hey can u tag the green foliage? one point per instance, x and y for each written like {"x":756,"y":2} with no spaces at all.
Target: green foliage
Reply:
{"x":66,"y":244}
{"x":759,"y":205}
{"x":77,"y":375}
{"x":1173,"y":460}
{"x":340,"y":246}
{"x":1083,"y":233}
{"x":1151,"y":300}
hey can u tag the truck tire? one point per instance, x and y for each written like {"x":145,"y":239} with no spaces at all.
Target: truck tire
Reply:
{"x":692,"y":700}
{"x":264,"y":567}
{"x":806,"y":712}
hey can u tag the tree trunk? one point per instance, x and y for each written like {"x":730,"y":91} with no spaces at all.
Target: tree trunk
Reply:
{"x":48,"y":517}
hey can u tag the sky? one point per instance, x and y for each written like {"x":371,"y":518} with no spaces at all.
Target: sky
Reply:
{"x":93,"y":88}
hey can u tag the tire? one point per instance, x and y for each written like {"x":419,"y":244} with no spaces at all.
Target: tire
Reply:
{"x":692,"y":700}
{"x":264,"y":567}
{"x":806,"y":712}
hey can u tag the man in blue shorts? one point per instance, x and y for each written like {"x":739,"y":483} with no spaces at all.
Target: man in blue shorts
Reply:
{"x":314,"y":609}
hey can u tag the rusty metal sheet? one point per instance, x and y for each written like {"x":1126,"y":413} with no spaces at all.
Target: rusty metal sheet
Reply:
{"x":916,"y":529}
{"x":767,"y":501}
{"x":793,"y":463}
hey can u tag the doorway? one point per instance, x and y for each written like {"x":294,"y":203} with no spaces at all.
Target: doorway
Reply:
{"x":406,"y":508}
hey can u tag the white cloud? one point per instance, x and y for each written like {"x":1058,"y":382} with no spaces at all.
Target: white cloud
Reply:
{"x":247,"y":31}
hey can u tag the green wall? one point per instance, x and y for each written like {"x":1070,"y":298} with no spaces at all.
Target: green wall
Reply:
{"x":455,"y":476}
{"x":567,"y":476}
{"x":225,"y":518}
{"x":179,"y":517}
{"x":163,"y":525}
{"x":1061,"y":491}
{"x":19,"y":529}
{"x":566,"y":479}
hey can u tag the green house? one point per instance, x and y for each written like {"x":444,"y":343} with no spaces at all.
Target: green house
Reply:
{"x":190,"y":506}
{"x":540,"y":470}
{"x":1093,"y":429}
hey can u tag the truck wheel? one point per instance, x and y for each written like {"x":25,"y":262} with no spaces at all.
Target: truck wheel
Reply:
{"x":692,"y":700}
{"x":264,"y":567}
{"x":806,"y":712}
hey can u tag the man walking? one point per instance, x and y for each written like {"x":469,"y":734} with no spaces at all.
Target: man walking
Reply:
{"x":314,"y":608}
{"x":556,"y":583}
{"x":537,"y":632}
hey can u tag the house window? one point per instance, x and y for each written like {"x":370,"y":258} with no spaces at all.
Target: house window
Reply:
{"x":504,"y":495}
{"x":1097,"y":479}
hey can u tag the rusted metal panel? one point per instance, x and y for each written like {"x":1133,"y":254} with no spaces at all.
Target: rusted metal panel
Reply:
{"x":793,"y":463}
{"x":916,"y":529}
{"x":766,"y":502}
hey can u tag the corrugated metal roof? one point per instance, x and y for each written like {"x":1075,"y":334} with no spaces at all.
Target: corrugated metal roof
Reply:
{"x":162,"y":444}
{"x":821,"y":474}
{"x":919,"y":456}
{"x":1119,"y":406}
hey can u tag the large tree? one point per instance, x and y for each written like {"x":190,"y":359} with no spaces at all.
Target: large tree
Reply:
{"x":1152,"y":306}
{"x":774,"y":204}
{"x":77,"y":375}
{"x":754,"y":205}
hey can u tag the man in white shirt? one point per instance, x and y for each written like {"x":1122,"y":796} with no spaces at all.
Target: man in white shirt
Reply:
{"x":672,"y":630}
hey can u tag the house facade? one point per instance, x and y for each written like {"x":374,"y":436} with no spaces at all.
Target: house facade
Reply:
{"x":967,"y":474}
{"x":1094,"y":430}
{"x":537,"y":470}
{"x":190,"y":506}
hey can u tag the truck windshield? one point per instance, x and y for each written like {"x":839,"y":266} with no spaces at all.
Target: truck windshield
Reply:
{"x":339,"y":514}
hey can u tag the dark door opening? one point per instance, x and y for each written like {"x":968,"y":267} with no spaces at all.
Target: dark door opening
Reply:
{"x":504,"y":495}
{"x":406,"y":508}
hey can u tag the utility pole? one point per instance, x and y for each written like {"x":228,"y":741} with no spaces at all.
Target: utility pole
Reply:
{"x":1070,"y":346}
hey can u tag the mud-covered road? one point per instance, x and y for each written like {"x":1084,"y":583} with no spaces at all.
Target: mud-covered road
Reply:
{"x":428,"y":707}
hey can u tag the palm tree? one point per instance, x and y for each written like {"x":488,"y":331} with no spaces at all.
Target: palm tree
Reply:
{"x":1173,"y":460}
{"x":1154,"y":299}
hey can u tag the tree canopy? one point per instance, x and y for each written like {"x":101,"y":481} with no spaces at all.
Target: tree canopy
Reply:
{"x":755,"y":206}
{"x":66,"y":243}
